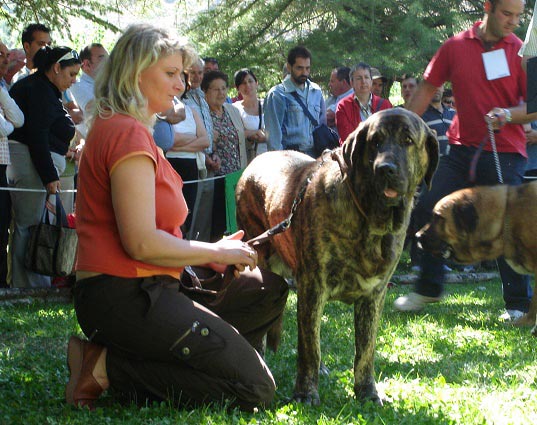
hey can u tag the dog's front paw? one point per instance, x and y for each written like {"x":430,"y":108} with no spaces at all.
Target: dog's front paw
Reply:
{"x":309,"y":398}
{"x":368,"y":392}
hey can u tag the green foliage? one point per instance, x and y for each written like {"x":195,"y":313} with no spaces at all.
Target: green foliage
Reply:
{"x":454,"y":364}
{"x":396,"y":36}
{"x":56,"y":13}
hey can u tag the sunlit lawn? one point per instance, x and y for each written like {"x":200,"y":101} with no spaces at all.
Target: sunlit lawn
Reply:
{"x":455,"y":364}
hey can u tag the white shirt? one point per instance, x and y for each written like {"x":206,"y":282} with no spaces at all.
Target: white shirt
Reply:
{"x":10,"y":117}
{"x":251,"y":122}
{"x":187,"y":126}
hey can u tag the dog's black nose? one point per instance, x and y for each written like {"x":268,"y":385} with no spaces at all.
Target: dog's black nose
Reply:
{"x":387,"y":169}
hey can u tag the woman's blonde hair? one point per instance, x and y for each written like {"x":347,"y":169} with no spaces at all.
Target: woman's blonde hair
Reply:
{"x":117,"y":84}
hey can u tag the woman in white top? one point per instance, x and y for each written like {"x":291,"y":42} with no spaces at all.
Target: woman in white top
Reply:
{"x":10,"y":117}
{"x":186,"y":155}
{"x":251,"y":110}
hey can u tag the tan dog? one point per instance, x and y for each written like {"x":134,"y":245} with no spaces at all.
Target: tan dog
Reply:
{"x":347,"y":233}
{"x":484,"y":223}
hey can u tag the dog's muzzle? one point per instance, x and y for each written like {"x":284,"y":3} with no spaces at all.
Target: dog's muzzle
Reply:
{"x":435,"y":246}
{"x":446,"y":252}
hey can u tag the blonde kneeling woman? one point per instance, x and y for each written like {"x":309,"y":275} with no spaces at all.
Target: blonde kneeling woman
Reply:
{"x":149,"y":337}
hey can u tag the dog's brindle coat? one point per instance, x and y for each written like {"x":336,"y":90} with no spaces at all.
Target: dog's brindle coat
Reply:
{"x":483,"y":223}
{"x":333,"y":250}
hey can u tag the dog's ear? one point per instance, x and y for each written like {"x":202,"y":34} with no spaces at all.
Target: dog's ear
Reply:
{"x":431,"y":145}
{"x":465,"y":216}
{"x":355,"y":145}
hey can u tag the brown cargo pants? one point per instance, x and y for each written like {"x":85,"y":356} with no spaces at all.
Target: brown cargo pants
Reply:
{"x":166,"y":343}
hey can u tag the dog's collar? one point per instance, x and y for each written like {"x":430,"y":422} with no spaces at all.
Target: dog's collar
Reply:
{"x":343,"y":167}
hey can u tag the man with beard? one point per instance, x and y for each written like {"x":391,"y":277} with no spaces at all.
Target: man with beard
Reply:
{"x":287,"y":125}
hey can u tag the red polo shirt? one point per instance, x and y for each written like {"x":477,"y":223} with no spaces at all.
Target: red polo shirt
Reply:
{"x":460,"y":61}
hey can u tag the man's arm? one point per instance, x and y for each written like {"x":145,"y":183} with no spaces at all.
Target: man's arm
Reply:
{"x":421,"y":98}
{"x":322,"y":116}
{"x":518,"y":115}
{"x":274,"y":112}
{"x":344,"y":123}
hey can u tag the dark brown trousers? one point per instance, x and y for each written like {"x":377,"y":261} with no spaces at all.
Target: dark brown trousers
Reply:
{"x":167,"y":343}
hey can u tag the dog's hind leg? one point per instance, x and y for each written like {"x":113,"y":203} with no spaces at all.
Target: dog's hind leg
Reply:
{"x":367,"y":312}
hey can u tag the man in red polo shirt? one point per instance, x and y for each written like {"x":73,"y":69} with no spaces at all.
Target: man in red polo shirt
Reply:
{"x":358,"y":106}
{"x":488,"y":51}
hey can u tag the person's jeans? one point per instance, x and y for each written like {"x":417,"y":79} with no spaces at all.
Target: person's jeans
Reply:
{"x":27,"y":211}
{"x":453,"y":174}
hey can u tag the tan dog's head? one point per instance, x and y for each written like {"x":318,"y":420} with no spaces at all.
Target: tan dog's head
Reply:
{"x":467,"y":226}
{"x":388,"y":156}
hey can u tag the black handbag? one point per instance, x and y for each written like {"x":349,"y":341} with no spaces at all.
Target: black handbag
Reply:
{"x":323,"y":136}
{"x":51,"y":248}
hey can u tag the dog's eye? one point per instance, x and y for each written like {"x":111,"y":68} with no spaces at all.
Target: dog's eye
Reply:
{"x":409,"y":140}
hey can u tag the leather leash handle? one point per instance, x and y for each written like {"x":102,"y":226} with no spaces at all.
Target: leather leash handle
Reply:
{"x":281,"y":227}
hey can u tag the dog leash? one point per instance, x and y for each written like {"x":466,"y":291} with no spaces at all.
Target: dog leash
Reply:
{"x":285,"y":224}
{"x":475,"y":159}
{"x":495,"y":151}
{"x":279,"y":228}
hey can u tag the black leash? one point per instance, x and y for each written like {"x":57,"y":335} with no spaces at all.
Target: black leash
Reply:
{"x":285,"y":224}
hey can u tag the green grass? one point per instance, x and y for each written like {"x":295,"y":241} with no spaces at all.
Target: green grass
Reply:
{"x":454,"y":364}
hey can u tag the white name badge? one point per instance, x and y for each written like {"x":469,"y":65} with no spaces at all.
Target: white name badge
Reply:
{"x":496,"y":65}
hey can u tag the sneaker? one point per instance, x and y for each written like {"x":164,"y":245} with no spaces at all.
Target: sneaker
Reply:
{"x":414,"y":302}
{"x":511,"y":315}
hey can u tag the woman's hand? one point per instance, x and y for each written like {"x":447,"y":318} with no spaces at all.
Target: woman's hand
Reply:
{"x":213,"y":162}
{"x":260,"y":136}
{"x":235,"y":252}
{"x":53,"y":187}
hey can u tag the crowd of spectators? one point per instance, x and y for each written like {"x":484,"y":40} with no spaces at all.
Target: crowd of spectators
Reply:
{"x":205,"y":136}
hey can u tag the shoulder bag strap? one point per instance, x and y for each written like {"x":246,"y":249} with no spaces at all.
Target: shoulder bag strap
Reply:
{"x":381,"y":100}
{"x":61,"y":217}
{"x":260,"y":115}
{"x":304,"y":108}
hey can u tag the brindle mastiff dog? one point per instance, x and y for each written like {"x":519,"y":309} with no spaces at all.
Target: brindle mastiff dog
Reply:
{"x":347,"y":233}
{"x":483,"y":223}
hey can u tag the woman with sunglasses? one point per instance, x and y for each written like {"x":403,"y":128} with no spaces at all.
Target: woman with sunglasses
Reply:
{"x":38,"y":148}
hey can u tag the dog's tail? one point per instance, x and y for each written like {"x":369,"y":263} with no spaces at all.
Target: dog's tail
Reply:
{"x":274,"y":334}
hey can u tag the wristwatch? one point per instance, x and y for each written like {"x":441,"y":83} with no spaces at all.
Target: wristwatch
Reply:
{"x":508,"y":116}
